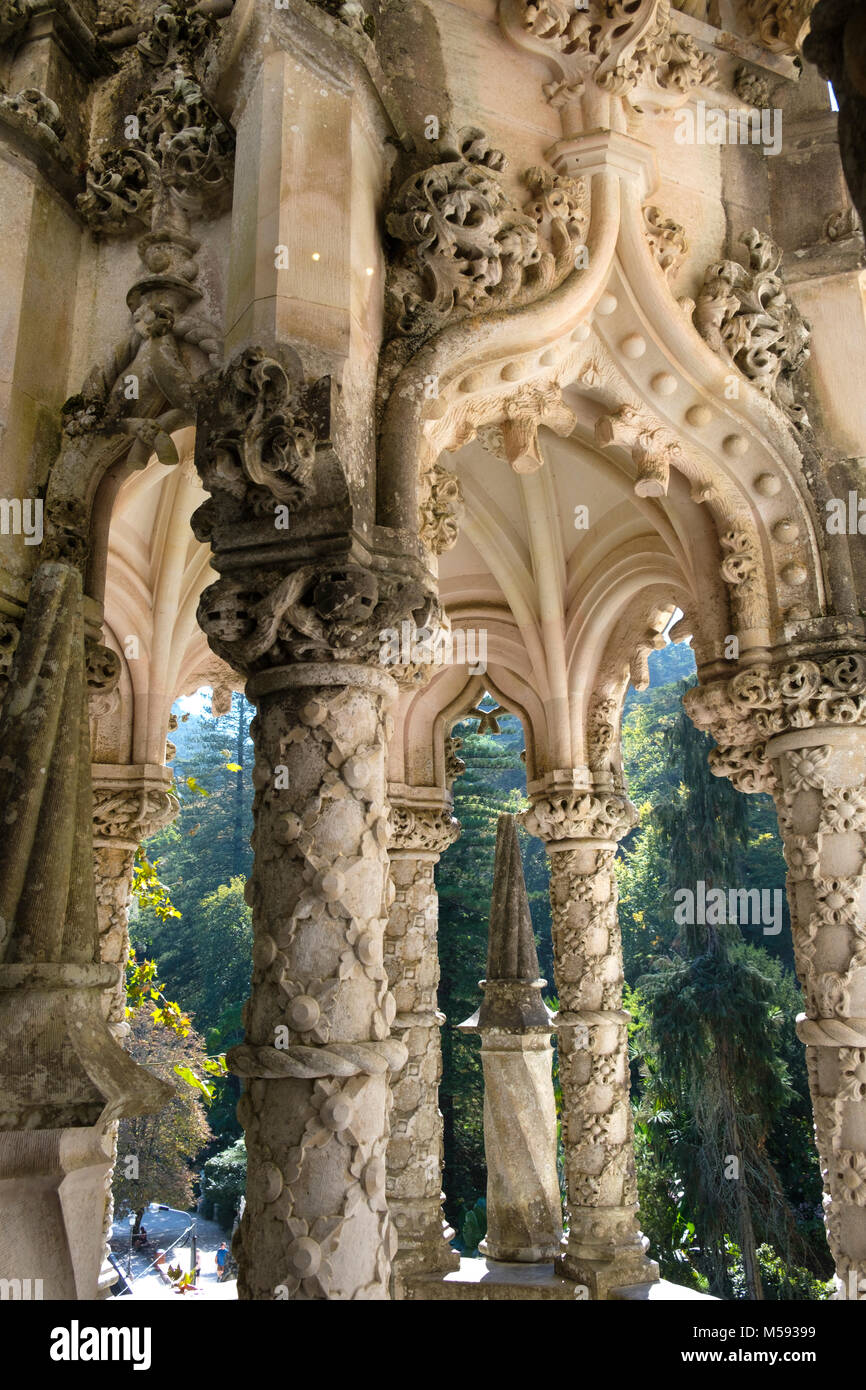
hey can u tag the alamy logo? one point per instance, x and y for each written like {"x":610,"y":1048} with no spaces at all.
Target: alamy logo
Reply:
{"x":22,"y":517}
{"x":76,"y":1343}
{"x":20,"y":1289}
{"x":716,"y":126}
{"x":717,"y":907}
{"x":417,"y":645}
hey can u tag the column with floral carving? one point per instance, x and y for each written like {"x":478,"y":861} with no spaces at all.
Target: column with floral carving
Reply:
{"x":300,"y":612}
{"x":797,"y":731}
{"x":419,"y":835}
{"x":129,"y":803}
{"x":604,"y":1248}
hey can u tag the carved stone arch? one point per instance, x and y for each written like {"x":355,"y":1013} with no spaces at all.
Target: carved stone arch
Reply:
{"x":85,"y":480}
{"x":424,"y":719}
{"x":610,"y":653}
{"x":742,"y":457}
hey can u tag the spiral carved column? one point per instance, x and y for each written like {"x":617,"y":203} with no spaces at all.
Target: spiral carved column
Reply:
{"x":419,"y":835}
{"x":604,"y":1248}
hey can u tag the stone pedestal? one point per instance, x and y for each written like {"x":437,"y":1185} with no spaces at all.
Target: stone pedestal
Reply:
{"x":51,"y":1183}
{"x":604,"y":1248}
{"x":414,"y":1158}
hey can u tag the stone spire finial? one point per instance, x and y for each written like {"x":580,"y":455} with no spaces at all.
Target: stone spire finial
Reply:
{"x":524,"y":1215}
{"x":512,"y":989}
{"x":511,"y":953}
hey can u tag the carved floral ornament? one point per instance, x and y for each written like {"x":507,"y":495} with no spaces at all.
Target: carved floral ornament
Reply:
{"x":464,"y":247}
{"x":744,"y":314}
{"x":763,"y":701}
{"x":260,"y":446}
{"x":182,"y":153}
{"x":266,"y":618}
{"x":185,"y":150}
{"x":577,"y":815}
{"x":422,"y":828}
{"x":629,"y":48}
{"x":130,"y":814}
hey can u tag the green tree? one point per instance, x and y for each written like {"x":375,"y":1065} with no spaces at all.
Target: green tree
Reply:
{"x":711,"y":1054}
{"x":156,"y":1154}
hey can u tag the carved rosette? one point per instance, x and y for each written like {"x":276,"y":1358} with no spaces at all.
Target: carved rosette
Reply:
{"x":418,"y":836}
{"x":605,"y":1248}
{"x":797,"y":731}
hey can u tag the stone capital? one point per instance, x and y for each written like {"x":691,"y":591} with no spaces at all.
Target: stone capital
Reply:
{"x":823,"y":689}
{"x":416,"y":830}
{"x":561,"y":817}
{"x":130,"y":802}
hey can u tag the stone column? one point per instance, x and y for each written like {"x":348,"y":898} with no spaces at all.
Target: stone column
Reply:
{"x":419,"y":835}
{"x":822,"y":814}
{"x":317,"y":1051}
{"x":63,"y":1078}
{"x":604,"y":1248}
{"x":797,"y":731}
{"x":299,"y":610}
{"x":129,"y":803}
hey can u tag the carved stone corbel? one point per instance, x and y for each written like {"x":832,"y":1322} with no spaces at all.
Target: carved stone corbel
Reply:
{"x":653,"y":450}
{"x":780,"y":25}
